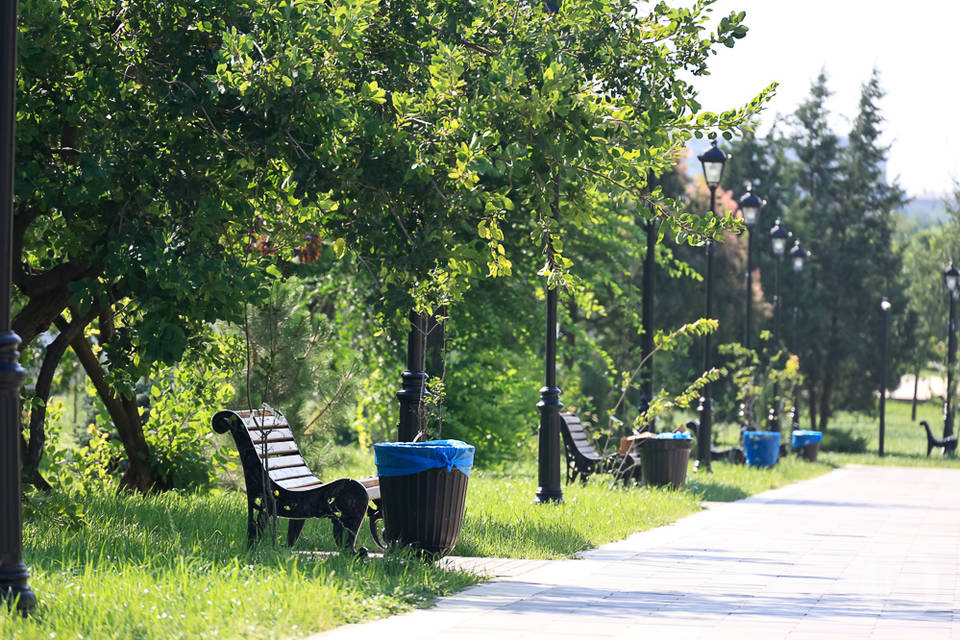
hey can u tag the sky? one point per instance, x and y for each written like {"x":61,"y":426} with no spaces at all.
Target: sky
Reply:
{"x":913,"y":45}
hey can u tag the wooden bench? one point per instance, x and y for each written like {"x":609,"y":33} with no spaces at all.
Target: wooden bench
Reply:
{"x":280,"y":483}
{"x":949,"y":443}
{"x":583,"y":460}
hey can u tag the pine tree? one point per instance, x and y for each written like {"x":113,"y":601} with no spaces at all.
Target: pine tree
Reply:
{"x":844,"y":208}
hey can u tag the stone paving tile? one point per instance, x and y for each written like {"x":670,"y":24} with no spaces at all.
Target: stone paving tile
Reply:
{"x":863,"y":552}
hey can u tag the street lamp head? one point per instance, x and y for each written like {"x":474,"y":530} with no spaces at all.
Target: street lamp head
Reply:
{"x":885,"y":305}
{"x":951,"y":278}
{"x":778,"y":238}
{"x":712,"y":161}
{"x":798,"y":254}
{"x":750,"y":205}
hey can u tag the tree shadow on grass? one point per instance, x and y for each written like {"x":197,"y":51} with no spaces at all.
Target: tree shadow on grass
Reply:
{"x":712,"y":491}
{"x":521,"y":539}
{"x":158,"y":529}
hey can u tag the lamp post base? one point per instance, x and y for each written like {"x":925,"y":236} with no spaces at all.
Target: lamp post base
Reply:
{"x":14,"y":590}
{"x":548,"y":451}
{"x":704,"y":434}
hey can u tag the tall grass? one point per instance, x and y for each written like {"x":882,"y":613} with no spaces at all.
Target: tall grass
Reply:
{"x":176,"y":566}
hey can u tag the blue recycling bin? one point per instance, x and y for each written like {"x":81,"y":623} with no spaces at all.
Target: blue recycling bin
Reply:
{"x":762,"y":448}
{"x":807,"y":443}
{"x":423,"y":490}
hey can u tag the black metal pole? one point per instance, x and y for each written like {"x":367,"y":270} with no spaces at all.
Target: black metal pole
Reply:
{"x":883,"y":376}
{"x":795,"y":411}
{"x":646,"y":382}
{"x":951,"y":359}
{"x":749,"y":301}
{"x":746,"y":408}
{"x":414,"y":383}
{"x":548,"y":440}
{"x":706,"y":402}
{"x":773,"y":417}
{"x":13,"y":571}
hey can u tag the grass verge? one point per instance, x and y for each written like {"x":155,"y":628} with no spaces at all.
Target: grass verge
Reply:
{"x":176,"y":565}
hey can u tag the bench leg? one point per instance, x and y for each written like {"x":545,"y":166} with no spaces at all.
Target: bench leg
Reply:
{"x":349,"y":500}
{"x":374,"y":515}
{"x":293,"y":531}
{"x":256,"y":519}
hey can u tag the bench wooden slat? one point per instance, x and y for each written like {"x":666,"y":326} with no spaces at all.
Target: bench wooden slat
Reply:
{"x":272,"y":435}
{"x":290,"y":472}
{"x":277,"y":448}
{"x":282,"y":462}
{"x":372,"y":485}
{"x":256,"y":421}
{"x":299,"y":483}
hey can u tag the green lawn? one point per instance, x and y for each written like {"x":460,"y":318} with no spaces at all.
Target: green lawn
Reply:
{"x":176,"y":565}
{"x":904,"y":442}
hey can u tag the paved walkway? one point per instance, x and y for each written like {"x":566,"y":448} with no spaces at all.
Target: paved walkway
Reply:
{"x":863,"y":552}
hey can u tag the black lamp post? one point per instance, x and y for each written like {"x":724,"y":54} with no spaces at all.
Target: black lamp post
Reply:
{"x":548,"y":437}
{"x":712,"y":161}
{"x":797,"y":254}
{"x":951,"y":279}
{"x":13,"y":572}
{"x":750,"y":205}
{"x":778,"y":242}
{"x":646,"y":376}
{"x":884,"y":310}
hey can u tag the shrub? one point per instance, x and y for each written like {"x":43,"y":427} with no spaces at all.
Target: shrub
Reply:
{"x":843,"y":441}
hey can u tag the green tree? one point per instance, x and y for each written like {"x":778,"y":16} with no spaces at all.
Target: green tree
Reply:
{"x":844,"y":207}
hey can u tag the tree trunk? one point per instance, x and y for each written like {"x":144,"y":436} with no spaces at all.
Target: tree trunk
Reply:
{"x":436,"y":337}
{"x":126,"y":418}
{"x":829,"y":367}
{"x":434,"y":354}
{"x":812,"y":409}
{"x":916,"y":385}
{"x":571,"y":339}
{"x":825,"y":405}
{"x":33,"y":453}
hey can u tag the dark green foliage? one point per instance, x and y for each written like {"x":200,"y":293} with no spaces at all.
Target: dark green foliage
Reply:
{"x":843,"y":441}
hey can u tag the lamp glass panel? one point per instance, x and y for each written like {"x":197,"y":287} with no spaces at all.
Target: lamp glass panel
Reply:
{"x":798,"y":264}
{"x":779,"y":245}
{"x":712,"y":172}
{"x":750,"y":215}
{"x":885,"y":305}
{"x":951,"y":282}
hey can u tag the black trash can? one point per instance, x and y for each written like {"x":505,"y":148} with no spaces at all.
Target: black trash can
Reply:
{"x":664,"y":461}
{"x":423,"y":489}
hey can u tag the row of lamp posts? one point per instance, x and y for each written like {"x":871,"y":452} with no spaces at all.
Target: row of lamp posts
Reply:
{"x":712,"y":161}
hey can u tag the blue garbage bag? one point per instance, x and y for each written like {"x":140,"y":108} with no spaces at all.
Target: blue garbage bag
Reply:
{"x":801,"y":438}
{"x":761,"y":448}
{"x":405,"y":458}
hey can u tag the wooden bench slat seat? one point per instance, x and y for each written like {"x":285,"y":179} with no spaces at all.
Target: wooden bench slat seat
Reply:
{"x":269,"y":451}
{"x":583,"y":460}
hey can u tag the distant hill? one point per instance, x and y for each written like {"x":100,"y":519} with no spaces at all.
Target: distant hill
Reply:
{"x":925,"y":211}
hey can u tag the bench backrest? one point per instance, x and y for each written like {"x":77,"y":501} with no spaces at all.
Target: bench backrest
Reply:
{"x":575,"y":437}
{"x":266,"y":446}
